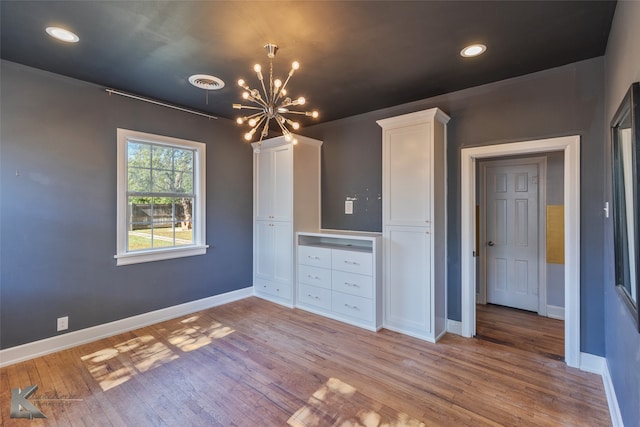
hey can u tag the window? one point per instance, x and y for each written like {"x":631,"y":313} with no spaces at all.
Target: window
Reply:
{"x":161,"y":198}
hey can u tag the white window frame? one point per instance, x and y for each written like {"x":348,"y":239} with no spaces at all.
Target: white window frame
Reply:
{"x":199,"y":247}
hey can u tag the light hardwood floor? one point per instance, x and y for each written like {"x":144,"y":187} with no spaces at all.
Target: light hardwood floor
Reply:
{"x":521,"y":329}
{"x":253,"y":363}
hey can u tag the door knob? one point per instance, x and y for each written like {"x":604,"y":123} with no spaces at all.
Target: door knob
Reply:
{"x":490,"y":243}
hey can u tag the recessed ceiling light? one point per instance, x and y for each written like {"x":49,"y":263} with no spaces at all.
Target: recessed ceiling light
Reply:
{"x":62,"y":34}
{"x":473,"y":50}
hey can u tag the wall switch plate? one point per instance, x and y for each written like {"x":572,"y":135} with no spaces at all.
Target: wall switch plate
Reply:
{"x":63,"y":323}
{"x":348,"y":207}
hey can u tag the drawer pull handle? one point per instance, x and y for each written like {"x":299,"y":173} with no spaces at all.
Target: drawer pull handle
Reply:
{"x":314,"y":296}
{"x":313,"y":257}
{"x":354,"y":307}
{"x":351,"y":262}
{"x":355,"y":285}
{"x":313,"y":277}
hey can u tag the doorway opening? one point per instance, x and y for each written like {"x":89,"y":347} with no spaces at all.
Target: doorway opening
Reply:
{"x":517,"y":283}
{"x":570,"y":146}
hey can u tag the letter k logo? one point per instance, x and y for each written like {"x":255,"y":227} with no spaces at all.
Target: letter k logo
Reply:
{"x":21,"y":407}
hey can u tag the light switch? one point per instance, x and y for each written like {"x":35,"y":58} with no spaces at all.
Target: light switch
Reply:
{"x":348,"y":207}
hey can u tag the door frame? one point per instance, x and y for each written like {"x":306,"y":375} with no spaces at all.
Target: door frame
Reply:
{"x":541,"y":162}
{"x":570,"y":145}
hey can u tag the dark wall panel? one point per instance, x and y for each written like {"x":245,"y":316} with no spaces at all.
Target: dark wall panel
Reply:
{"x":58,"y":194}
{"x":558,"y":102}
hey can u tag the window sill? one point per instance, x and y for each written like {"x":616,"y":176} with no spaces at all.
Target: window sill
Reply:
{"x":159,"y":254}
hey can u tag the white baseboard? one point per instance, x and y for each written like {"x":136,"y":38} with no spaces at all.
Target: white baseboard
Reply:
{"x":592,"y":363}
{"x":454,"y":327}
{"x":34,"y":349}
{"x":555,"y":312}
{"x":612,"y":400}
{"x":598,"y":365}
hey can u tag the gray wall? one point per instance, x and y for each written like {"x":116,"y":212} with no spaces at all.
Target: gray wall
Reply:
{"x":58,"y":217}
{"x":557,"y":102}
{"x":622,"y":67}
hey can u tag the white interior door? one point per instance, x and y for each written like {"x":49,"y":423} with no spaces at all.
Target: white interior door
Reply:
{"x":512,"y":222}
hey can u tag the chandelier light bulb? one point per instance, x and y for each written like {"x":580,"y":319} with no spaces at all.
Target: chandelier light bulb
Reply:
{"x":295,"y":125}
{"x":257,"y":68}
{"x":241,"y":83}
{"x":252,"y":122}
{"x":248,"y":136}
{"x":295,"y":141}
{"x":240,"y":120}
{"x":277,"y":82}
{"x":301,"y":100}
{"x":245,"y":95}
{"x":295,"y":65}
{"x":288,"y":137}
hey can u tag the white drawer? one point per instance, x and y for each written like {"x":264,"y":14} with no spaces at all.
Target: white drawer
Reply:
{"x":352,"y":261}
{"x":354,"y":284}
{"x":318,"y":297}
{"x":275,"y":289}
{"x":314,"y":276}
{"x":352,"y":306}
{"x":316,"y":257}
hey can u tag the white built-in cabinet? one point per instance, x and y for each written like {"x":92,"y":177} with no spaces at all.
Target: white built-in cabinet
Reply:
{"x":339,"y":276}
{"x":286,"y":180}
{"x":414,"y":223}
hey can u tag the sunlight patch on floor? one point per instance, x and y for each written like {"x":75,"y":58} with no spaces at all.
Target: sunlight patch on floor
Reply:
{"x":115,"y":365}
{"x":192,"y":337}
{"x":337,"y":403}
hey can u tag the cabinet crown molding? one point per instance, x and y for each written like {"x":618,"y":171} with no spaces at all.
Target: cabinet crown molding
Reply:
{"x":413,"y":118}
{"x":279,"y":140}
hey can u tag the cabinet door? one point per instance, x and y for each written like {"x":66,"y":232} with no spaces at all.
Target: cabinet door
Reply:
{"x":265,"y":257}
{"x":274,"y":251}
{"x":282,"y":252}
{"x":282,"y":184}
{"x":264,"y":184}
{"x":407,"y":298}
{"x":407,"y":175}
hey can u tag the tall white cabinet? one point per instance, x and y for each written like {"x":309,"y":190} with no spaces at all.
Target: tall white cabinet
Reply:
{"x":286,"y":189}
{"x":414,"y":223}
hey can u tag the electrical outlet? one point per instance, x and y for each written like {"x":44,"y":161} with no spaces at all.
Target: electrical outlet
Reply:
{"x":348,"y":207}
{"x":63,"y":323}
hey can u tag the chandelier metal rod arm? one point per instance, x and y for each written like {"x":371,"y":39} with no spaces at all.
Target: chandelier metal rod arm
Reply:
{"x":285,"y":84}
{"x":265,"y":130}
{"x":259,"y":122}
{"x":297,"y":112}
{"x":285,"y":131}
{"x":264,"y":89}
{"x":249,"y":107}
{"x":271,"y":80}
{"x":258,"y":101}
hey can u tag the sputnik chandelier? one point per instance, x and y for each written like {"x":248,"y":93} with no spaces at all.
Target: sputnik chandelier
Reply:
{"x":272,"y":103}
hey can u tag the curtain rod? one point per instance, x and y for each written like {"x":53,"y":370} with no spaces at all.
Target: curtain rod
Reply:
{"x":152,"y":101}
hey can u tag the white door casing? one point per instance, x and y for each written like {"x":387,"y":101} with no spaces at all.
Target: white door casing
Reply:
{"x":570,"y":145}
